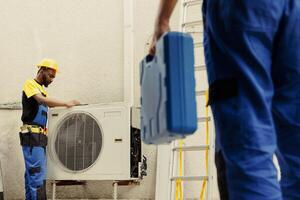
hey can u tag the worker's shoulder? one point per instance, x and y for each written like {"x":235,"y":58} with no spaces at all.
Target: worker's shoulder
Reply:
{"x":32,"y":87}
{"x":30,"y":82}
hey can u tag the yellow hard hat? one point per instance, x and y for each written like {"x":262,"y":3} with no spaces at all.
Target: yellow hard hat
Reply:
{"x":48,"y":63}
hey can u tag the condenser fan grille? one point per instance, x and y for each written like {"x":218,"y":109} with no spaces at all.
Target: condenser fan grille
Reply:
{"x":78,"y":142}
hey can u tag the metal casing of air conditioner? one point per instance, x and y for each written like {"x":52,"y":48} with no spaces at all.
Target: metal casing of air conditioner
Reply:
{"x":90,"y":142}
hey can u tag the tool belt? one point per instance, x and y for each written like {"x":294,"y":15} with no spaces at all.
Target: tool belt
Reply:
{"x":33,"y":135}
{"x":33,"y":129}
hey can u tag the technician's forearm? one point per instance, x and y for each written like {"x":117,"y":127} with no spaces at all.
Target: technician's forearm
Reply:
{"x":54,"y":102}
{"x":165,"y":11}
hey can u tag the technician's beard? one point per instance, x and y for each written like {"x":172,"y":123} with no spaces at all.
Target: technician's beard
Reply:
{"x":45,"y":83}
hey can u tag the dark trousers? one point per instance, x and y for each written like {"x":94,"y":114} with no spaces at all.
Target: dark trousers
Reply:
{"x":35,"y":172}
{"x":221,"y":175}
{"x":252,"y":50}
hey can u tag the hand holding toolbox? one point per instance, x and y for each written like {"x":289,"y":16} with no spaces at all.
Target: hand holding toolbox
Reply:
{"x":168,"y":100}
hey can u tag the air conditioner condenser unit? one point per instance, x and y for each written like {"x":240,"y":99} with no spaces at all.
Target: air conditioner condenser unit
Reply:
{"x":92,"y":142}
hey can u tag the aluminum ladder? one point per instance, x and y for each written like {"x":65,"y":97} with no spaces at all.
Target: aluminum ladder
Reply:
{"x":167,"y":155}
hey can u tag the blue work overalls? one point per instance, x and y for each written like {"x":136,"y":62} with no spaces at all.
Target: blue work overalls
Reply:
{"x":252,"y":51}
{"x":34,"y":152}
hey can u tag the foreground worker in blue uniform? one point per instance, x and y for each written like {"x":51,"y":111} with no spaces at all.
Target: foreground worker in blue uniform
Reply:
{"x":33,"y":135}
{"x":252,"y":51}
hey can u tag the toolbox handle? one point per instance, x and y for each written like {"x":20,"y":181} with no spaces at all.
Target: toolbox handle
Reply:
{"x":149,"y":58}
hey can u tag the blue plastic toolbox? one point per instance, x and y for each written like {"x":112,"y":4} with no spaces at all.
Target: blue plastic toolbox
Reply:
{"x":168,"y":100}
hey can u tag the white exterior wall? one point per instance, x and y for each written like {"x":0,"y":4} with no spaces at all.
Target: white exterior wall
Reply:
{"x":86,"y":38}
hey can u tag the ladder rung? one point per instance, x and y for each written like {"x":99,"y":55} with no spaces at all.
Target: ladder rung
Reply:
{"x":189,"y":178}
{"x":200,"y":67}
{"x":192,"y":2}
{"x":194,"y":32}
{"x":198,"y":44}
{"x":200,"y":93}
{"x":203,"y":119}
{"x":192,"y":148}
{"x":192,"y":23}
